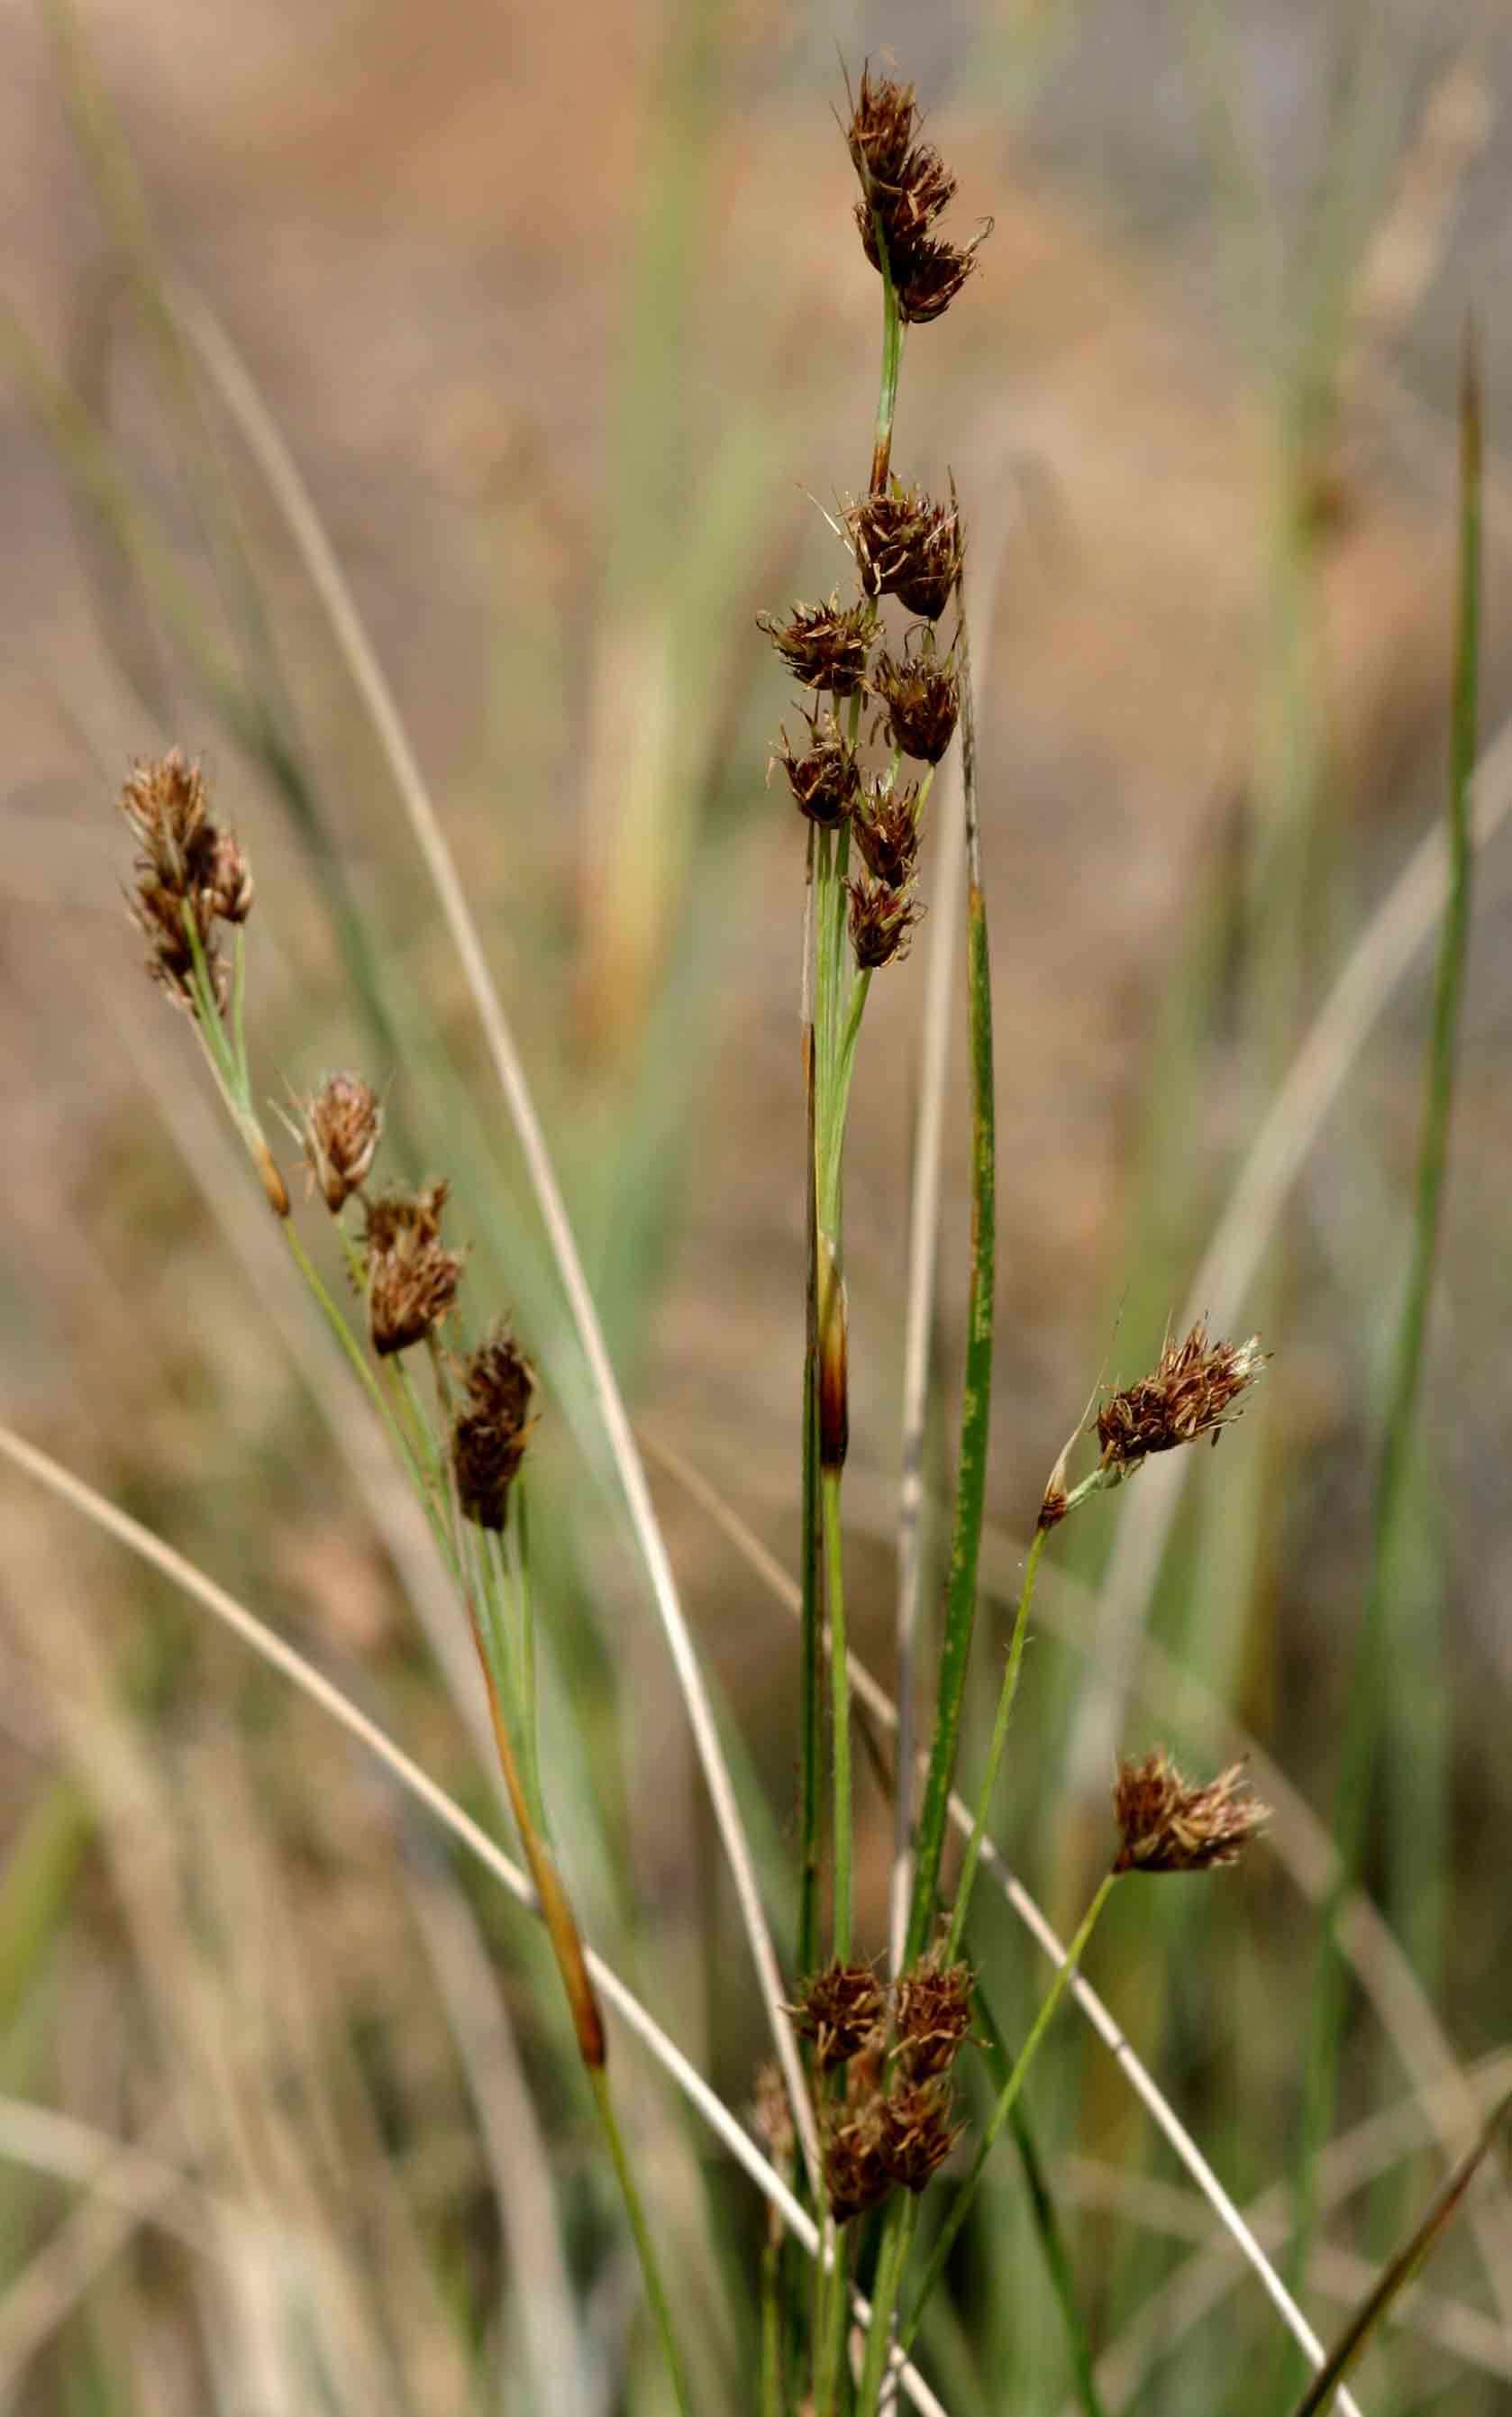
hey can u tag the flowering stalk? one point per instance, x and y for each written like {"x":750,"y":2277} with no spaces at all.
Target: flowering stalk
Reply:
{"x":857,"y":921}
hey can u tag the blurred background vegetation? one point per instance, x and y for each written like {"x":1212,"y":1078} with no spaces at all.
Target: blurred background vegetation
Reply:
{"x":562,"y":318}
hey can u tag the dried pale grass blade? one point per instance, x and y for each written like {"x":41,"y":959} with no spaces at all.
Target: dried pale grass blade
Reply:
{"x":880,"y":1704}
{"x":264,"y":1641}
{"x":1164,"y":2209}
{"x":1355,"y":2158}
{"x":239,"y":396}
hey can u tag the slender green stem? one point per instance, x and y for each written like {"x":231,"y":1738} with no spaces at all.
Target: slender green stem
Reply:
{"x":1364,"y":1703}
{"x":810,"y":1704}
{"x":650,"y":2270}
{"x":897,"y":2241}
{"x":239,"y":1011}
{"x":940,"y":2256}
{"x":976,"y":1391}
{"x":994,"y":1760}
{"x":835,"y":2325}
{"x":840,"y":1693}
{"x":357,"y":1360}
{"x":892,"y":358}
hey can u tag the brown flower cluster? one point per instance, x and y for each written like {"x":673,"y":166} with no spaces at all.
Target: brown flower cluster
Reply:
{"x":1165,"y":1826}
{"x":906,"y":545}
{"x":822,"y":646}
{"x":826,"y":779}
{"x":893,"y":2127}
{"x":412,"y":1276}
{"x":189,"y":875}
{"x":919,"y":694}
{"x":905,"y":189}
{"x":921,"y":698}
{"x":343,"y":1125}
{"x":489,"y":1435}
{"x":881,"y":923}
{"x":1191,"y":1393}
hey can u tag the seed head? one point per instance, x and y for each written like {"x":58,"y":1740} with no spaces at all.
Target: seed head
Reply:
{"x":412,"y":1276}
{"x":881,"y":132}
{"x":916,"y":2133}
{"x":855,"y":2176}
{"x":933,"y":2017}
{"x":922,"y":696}
{"x":229,"y":888}
{"x":907,"y":187}
{"x":158,"y":910}
{"x":1168,"y":1826}
{"x":188,"y":873}
{"x":168,"y":808}
{"x":839,"y":2010}
{"x":886,"y":832}
{"x":1190,"y":1394}
{"x":908,"y":547}
{"x":928,"y":272}
{"x":822,"y":646}
{"x":881,"y":923}
{"x":825,"y":780}
{"x":343,"y":1123}
{"x":489,"y":1435}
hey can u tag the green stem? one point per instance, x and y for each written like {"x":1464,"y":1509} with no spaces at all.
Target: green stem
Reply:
{"x":357,"y":1360}
{"x":994,"y":1760}
{"x":834,"y":2324}
{"x":810,"y":1704}
{"x":840,"y":1694}
{"x":651,"y":2272}
{"x":1003,"y":2109}
{"x":892,"y":358}
{"x":897,"y":2241}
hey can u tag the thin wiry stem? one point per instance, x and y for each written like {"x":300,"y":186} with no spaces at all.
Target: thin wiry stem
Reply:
{"x":839,"y":1690}
{"x":246,"y":409}
{"x":264,"y":1641}
{"x":876,"y":1700}
{"x":1006,"y":1694}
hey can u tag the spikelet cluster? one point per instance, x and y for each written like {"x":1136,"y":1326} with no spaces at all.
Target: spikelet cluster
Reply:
{"x":1164,"y":1825}
{"x":1190,"y":1394}
{"x":905,"y":191}
{"x":892,"y":2127}
{"x":188,"y":877}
